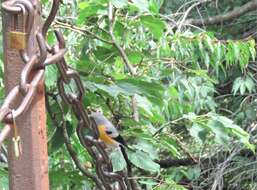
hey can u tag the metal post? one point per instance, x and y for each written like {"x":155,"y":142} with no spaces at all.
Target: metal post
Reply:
{"x":30,"y":170}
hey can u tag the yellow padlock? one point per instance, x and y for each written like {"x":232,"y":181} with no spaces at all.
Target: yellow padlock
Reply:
{"x":18,"y":39}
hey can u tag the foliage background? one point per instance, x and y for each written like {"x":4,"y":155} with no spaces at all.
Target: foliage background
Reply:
{"x":182,"y":94}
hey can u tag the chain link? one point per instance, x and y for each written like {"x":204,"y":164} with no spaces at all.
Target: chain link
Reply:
{"x":27,"y":89}
{"x":94,"y":146}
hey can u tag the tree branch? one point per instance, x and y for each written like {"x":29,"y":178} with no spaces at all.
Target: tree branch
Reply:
{"x":82,"y":31}
{"x":120,"y":49}
{"x":124,"y":56}
{"x":167,"y":163}
{"x":217,"y":158}
{"x":188,"y":11}
{"x":219,"y":19}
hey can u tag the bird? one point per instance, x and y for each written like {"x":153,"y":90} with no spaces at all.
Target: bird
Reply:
{"x":110,"y":135}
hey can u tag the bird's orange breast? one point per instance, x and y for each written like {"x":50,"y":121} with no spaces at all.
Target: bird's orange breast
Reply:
{"x":104,"y":136}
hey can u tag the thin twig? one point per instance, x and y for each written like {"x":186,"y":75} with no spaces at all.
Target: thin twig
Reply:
{"x":124,"y":56}
{"x":120,"y":49}
{"x":83,"y":31}
{"x":184,"y":148}
{"x":188,"y":11}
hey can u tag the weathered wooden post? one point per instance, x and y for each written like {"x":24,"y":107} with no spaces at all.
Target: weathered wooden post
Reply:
{"x":30,"y":170}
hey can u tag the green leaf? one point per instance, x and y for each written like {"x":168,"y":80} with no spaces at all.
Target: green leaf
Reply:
{"x":221,"y":124}
{"x":142,"y":5}
{"x":57,"y":140}
{"x":190,"y":116}
{"x":135,"y":57}
{"x":145,"y":105}
{"x":193,"y":173}
{"x":119,"y":3}
{"x":118,"y":161}
{"x":207,"y":60}
{"x":155,"y":25}
{"x":229,"y":57}
{"x":209,"y":43}
{"x":51,"y":76}
{"x":148,"y":182}
{"x":249,"y":84}
{"x":242,"y":88}
{"x":112,"y":90}
{"x":169,"y":144}
{"x":4,"y":182}
{"x":217,"y":127}
{"x":87,"y":9}
{"x":236,"y":85}
{"x":154,"y":7}
{"x":252,"y":49}
{"x":236,"y":51}
{"x":147,"y":148}
{"x":64,"y":177}
{"x":220,"y":51}
{"x":199,"y":132}
{"x":169,"y":184}
{"x":244,"y":55}
{"x":152,"y":90}
{"x":143,"y":161}
{"x":173,"y":92}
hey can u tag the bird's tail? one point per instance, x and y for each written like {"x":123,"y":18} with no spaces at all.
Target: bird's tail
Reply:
{"x":123,"y":146}
{"x":125,"y":155}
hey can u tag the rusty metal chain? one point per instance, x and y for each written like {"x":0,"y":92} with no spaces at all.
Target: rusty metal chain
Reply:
{"x":27,"y":90}
{"x":29,"y":79}
{"x":92,"y":144}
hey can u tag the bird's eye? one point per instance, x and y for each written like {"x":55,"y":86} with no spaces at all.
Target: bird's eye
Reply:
{"x":109,"y":132}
